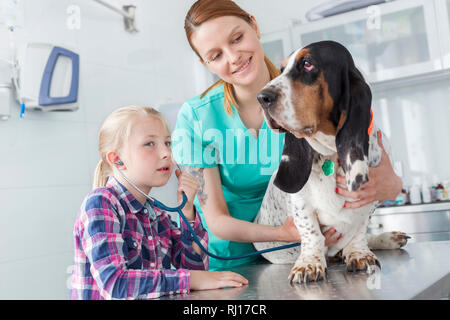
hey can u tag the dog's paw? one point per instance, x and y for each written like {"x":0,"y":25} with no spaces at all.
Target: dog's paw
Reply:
{"x":337,"y":258}
{"x":361,"y":261}
{"x":308,"y":271}
{"x":388,"y":240}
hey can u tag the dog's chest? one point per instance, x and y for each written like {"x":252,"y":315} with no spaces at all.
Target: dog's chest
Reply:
{"x":319,"y":191}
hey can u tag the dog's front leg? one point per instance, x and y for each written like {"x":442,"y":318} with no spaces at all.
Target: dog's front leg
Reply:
{"x":311,"y":264}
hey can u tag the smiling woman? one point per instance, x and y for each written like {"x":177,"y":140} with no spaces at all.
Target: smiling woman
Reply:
{"x":243,"y":38}
{"x":214,"y":47}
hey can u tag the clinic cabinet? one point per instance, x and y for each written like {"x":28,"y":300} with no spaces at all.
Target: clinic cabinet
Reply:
{"x":394,"y":40}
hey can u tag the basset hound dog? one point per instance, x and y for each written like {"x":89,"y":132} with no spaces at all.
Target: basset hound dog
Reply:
{"x":322,"y":103}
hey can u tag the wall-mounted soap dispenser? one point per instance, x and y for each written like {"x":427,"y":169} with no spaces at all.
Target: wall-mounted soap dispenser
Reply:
{"x":47,"y":77}
{"x":6,"y":65}
{"x":5,"y":94}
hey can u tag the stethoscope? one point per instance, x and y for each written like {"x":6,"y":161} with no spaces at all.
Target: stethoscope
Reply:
{"x":160,"y":205}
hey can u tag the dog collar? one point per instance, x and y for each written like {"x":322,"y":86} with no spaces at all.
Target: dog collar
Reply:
{"x":371,"y":122}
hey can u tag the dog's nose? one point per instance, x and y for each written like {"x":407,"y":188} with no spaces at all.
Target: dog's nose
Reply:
{"x":267,"y":98}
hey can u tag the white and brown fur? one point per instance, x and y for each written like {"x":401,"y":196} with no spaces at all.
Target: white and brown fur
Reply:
{"x":317,"y":120}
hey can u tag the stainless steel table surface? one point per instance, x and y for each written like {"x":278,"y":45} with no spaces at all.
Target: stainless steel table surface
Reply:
{"x":420,"y":270}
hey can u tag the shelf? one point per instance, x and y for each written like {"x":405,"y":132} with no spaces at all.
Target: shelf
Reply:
{"x":414,"y":208}
{"x":419,"y":79}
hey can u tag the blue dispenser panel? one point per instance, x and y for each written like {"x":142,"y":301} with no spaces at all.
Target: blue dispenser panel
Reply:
{"x":44,"y":94}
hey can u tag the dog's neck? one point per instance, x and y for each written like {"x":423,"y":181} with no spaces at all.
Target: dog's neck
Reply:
{"x":322,"y":143}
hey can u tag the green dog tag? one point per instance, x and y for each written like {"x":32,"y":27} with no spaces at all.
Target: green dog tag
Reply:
{"x":328,"y":167}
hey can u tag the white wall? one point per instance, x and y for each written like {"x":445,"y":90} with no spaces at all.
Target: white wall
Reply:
{"x":277,"y":15}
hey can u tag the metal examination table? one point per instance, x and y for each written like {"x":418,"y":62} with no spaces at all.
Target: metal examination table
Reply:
{"x":420,"y":270}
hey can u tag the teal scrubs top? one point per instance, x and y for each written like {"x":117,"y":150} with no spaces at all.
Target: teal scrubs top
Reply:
{"x":206,"y":136}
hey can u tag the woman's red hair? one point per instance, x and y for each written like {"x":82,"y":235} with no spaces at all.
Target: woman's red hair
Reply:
{"x":204,"y":10}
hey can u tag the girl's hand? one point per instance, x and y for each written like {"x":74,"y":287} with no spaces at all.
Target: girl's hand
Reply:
{"x":288,"y":231}
{"x":204,"y":280}
{"x":188,"y":185}
{"x":383,"y":183}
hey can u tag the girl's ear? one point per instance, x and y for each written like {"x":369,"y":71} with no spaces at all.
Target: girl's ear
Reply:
{"x":112,"y":158}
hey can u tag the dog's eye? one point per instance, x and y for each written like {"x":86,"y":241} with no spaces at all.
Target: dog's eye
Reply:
{"x":308,"y":66}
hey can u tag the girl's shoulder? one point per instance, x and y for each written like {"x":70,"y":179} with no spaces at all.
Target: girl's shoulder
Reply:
{"x":100,"y":201}
{"x":101,"y":196}
{"x":98,"y":205}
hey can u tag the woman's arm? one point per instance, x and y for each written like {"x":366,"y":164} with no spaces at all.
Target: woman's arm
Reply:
{"x":222,"y":224}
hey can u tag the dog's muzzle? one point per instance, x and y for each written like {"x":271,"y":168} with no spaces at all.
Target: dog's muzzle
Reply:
{"x":267,"y":98}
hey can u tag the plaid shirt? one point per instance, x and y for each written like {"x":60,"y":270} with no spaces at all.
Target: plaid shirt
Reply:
{"x":125,"y":250}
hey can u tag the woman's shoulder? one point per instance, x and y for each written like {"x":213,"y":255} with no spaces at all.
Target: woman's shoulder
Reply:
{"x":214,"y":97}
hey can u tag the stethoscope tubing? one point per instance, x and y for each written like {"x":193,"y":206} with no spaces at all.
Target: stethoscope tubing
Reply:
{"x":197,"y":240}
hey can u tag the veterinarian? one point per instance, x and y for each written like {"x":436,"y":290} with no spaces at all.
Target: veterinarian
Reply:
{"x":227,"y":119}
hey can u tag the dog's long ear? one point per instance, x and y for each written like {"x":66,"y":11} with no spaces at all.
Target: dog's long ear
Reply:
{"x":352,"y":138}
{"x":295,"y":166}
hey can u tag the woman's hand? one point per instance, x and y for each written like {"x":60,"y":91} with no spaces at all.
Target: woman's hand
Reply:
{"x":332,"y":237}
{"x":289,"y":233}
{"x":188,"y":185}
{"x":383,"y":183}
{"x":204,"y":280}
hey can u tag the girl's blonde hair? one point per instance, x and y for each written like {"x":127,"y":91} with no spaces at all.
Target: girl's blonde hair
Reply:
{"x":204,"y":10}
{"x":115,"y":131}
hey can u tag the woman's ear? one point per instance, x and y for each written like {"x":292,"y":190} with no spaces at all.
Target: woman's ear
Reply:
{"x":255,"y":26}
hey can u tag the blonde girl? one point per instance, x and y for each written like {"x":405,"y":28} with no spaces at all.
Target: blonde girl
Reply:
{"x":124,"y":246}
